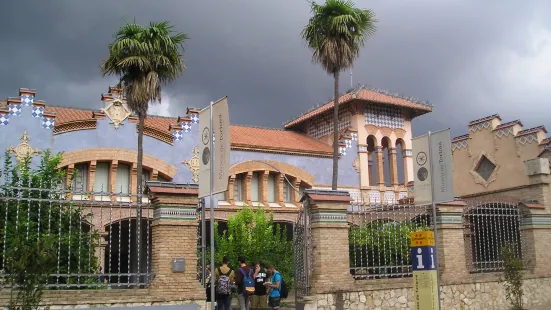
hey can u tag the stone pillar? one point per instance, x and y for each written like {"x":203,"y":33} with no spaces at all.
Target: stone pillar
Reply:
{"x":154,"y":175}
{"x":393,"y":167}
{"x":364,"y":160}
{"x":68,"y":178}
{"x":92,"y":178}
{"x":113,"y":177}
{"x":408,"y":165}
{"x":296,"y":195}
{"x":247,"y":188}
{"x":134,"y":182}
{"x":279,"y":179}
{"x":231,"y":184}
{"x":370,"y":169}
{"x":174,"y":236}
{"x":329,"y":236}
{"x":380,"y":166}
{"x":263,"y":184}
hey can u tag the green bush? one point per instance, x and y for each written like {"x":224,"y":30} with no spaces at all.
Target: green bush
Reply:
{"x":512,"y":276}
{"x":41,"y":233}
{"x":253,"y":234}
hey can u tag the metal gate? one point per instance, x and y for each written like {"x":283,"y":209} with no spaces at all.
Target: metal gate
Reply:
{"x":201,"y":243}
{"x":303,"y":254}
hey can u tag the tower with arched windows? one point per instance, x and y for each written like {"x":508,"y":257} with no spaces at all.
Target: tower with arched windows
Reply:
{"x":374,"y":136}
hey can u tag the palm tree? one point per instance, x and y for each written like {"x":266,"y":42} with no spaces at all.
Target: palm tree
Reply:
{"x":335,"y":33}
{"x":144,"y":58}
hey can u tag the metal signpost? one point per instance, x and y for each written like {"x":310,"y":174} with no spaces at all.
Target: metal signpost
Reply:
{"x":425,"y":274}
{"x":214,"y":122}
{"x":433,"y":171}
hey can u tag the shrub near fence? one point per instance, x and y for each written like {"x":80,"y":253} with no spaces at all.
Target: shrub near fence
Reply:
{"x":379,"y":239}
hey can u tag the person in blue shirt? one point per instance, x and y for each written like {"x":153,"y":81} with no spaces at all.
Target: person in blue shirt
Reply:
{"x":274,"y":287}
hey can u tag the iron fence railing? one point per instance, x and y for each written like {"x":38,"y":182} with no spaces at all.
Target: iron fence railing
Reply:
{"x":303,"y":253}
{"x":379,"y":238}
{"x":488,"y":228}
{"x":89,"y":239}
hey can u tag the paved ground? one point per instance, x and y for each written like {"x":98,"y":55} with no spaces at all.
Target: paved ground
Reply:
{"x":179,"y":307}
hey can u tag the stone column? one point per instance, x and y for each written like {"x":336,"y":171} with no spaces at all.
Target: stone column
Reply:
{"x":380,"y":166}
{"x":370,"y":169}
{"x":263,"y":184}
{"x":247,"y":188}
{"x":154,"y":175}
{"x":453,"y":247}
{"x":393,"y":167}
{"x":329,"y":235}
{"x":174,"y":237}
{"x":363,"y":157}
{"x":408,"y":165}
{"x":134,"y":182}
{"x":92,"y":178}
{"x":231,"y":184}
{"x":279,"y":179}
{"x":69,"y":176}
{"x":296,"y":195}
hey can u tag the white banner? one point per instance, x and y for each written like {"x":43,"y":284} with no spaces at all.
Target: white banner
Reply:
{"x":442,"y":166}
{"x":220,"y":131}
{"x":422,"y":186}
{"x":433,"y":168}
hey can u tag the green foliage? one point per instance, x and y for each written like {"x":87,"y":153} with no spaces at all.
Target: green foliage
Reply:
{"x":253,"y":234}
{"x":378,"y":243}
{"x":40,"y":232}
{"x":512,"y":276}
{"x":336,"y":32}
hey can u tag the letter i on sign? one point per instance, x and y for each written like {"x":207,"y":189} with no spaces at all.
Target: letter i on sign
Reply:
{"x":431,"y":258}
{"x":420,"y":259}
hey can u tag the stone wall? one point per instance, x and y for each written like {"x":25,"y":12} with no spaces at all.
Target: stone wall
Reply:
{"x":485,"y":295}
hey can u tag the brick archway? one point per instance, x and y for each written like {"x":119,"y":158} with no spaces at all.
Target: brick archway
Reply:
{"x":287,"y":169}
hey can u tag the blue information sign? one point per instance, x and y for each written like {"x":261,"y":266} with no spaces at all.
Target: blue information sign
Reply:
{"x":423,"y":258}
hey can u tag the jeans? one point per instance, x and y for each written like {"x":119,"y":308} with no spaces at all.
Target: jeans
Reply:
{"x":223,"y":302}
{"x":244,"y":303}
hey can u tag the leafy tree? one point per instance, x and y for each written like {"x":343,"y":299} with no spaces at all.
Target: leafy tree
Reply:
{"x":144,"y":57}
{"x":335,"y":33}
{"x":512,"y":276}
{"x":253,"y":234}
{"x":41,"y":233}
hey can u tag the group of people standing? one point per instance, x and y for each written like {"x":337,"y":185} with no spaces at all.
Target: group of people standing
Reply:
{"x":257,"y":287}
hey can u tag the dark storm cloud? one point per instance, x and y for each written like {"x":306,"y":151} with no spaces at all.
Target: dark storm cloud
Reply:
{"x":468,"y":58}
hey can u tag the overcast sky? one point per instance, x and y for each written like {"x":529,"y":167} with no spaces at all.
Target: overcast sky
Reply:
{"x":469,"y":59}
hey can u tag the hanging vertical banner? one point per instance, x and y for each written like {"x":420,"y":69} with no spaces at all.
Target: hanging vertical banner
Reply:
{"x":425,"y":276}
{"x":433,"y":168}
{"x":422,"y":185}
{"x":442,"y":166}
{"x":220,"y":133}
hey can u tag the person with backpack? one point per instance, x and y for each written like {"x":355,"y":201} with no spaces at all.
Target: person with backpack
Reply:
{"x":224,"y":277}
{"x":245,"y":282}
{"x":277,"y":288}
{"x":259,"y":300}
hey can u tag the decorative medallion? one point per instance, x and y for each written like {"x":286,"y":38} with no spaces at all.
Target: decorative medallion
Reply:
{"x":194,"y":164}
{"x":356,"y":164}
{"x":117,"y":112}
{"x":484,"y":169}
{"x":23,"y":149}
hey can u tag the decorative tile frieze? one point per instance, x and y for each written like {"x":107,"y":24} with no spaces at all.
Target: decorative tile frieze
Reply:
{"x":460,"y":145}
{"x":342,"y":150}
{"x":48,"y":122}
{"x":348,"y":143}
{"x":384,"y":116}
{"x":329,"y":217}
{"x":374,"y":196}
{"x":527,"y":139}
{"x":390,"y":197}
{"x":15,"y":109}
{"x":402,"y":195}
{"x":537,"y":221}
{"x":480,"y":126}
{"x":323,"y":124}
{"x":174,"y":213}
{"x":4,"y":119}
{"x":194,"y":118}
{"x":38,"y":112}
{"x":27,"y":100}
{"x":505,"y":132}
{"x":408,"y":153}
{"x":186,"y":127}
{"x":178,"y":135}
{"x":354,"y":136}
{"x":362,"y":148}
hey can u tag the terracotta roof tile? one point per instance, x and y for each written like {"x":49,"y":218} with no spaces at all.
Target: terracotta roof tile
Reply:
{"x":159,"y":122}
{"x":67,"y":115}
{"x":508,"y":124}
{"x":276,"y":139}
{"x":367,"y":95}
{"x":546,"y":141}
{"x":460,"y":138}
{"x":487,"y":118}
{"x":531,"y":130}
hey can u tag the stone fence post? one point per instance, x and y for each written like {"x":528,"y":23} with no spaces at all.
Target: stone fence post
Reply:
{"x":174,"y":238}
{"x":329,"y":233}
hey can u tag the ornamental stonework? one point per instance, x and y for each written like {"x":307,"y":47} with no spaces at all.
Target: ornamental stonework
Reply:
{"x":193,"y":164}
{"x":117,"y":112}
{"x":24,"y":149}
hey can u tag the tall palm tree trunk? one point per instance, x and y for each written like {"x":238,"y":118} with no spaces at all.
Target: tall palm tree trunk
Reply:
{"x":141,"y":118}
{"x":336,"y":133}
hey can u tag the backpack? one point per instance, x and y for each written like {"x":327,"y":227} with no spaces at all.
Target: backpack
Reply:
{"x":223,"y":286}
{"x":248,"y":282}
{"x":283,"y":291}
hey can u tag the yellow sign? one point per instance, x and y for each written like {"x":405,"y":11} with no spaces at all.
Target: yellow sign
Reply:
{"x":425,"y":290}
{"x":422,"y":238}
